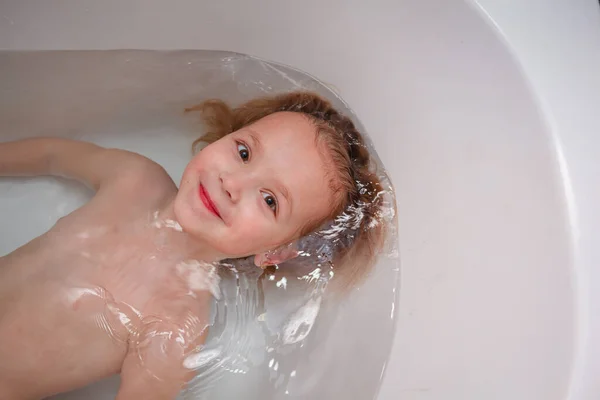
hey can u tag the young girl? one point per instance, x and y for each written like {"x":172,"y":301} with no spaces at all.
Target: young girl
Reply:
{"x":123,"y":284}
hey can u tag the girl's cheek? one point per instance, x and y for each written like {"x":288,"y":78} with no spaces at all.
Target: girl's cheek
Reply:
{"x":252,"y":224}
{"x":197,"y":161}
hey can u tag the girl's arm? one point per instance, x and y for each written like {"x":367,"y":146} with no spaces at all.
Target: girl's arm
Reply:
{"x":155,"y":366}
{"x":162,"y":373}
{"x":74,"y":159}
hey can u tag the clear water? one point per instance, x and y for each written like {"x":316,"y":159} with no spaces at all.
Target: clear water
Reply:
{"x":271,"y":338}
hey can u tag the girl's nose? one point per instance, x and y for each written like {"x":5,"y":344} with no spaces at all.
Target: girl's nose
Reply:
{"x":231,"y":186}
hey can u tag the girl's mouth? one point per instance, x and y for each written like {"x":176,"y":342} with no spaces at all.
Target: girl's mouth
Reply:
{"x":207,"y":201}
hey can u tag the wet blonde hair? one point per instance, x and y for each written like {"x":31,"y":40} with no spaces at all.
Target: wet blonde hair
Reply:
{"x":353,"y":178}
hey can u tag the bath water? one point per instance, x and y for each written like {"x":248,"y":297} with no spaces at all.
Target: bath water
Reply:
{"x":271,"y":336}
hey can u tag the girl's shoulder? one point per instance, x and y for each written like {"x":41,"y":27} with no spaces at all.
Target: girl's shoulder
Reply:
{"x":140,"y":183}
{"x":143,"y":177}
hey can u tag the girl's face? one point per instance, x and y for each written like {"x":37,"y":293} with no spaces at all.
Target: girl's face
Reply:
{"x":256,"y":188}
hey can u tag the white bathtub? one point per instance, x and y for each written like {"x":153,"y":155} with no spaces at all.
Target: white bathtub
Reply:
{"x":486,"y":117}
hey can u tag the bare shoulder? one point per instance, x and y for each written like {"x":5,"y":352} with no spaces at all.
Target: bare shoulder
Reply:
{"x":139,"y":187}
{"x":139,"y":174}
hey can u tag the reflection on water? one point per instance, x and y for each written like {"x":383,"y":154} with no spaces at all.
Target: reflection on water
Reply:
{"x":274,"y":334}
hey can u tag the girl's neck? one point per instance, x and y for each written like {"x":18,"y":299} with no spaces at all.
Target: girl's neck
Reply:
{"x":174,"y":238}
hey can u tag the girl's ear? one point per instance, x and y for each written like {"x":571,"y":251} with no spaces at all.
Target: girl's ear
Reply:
{"x":277,"y":256}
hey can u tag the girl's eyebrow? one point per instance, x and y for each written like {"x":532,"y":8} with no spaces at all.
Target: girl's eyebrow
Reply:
{"x":286,"y":194}
{"x":256,"y":144}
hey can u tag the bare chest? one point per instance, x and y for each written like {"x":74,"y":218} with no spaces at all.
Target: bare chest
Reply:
{"x":82,"y":292}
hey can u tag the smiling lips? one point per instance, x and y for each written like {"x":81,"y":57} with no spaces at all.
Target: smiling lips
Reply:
{"x":207,"y":201}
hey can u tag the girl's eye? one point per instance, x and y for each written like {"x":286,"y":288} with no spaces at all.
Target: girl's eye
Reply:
{"x":270,"y":200}
{"x":244,"y":152}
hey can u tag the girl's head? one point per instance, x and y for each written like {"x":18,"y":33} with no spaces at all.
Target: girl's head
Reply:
{"x":276,"y":169}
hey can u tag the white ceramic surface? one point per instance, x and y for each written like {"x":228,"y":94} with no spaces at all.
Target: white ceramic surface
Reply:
{"x":485,"y":115}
